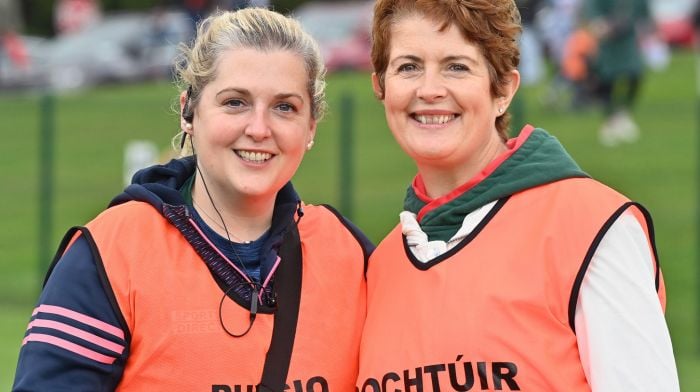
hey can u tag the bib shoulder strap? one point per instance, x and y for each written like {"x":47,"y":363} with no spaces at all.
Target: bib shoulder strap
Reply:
{"x":65,"y":242}
{"x":288,"y":286}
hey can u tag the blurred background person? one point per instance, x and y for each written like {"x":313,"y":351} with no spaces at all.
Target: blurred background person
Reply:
{"x":72,"y":16}
{"x":532,"y":66}
{"x":618,"y":26}
{"x":576,"y":68}
{"x":197,"y":10}
{"x":558,"y":21}
{"x":11,"y":46}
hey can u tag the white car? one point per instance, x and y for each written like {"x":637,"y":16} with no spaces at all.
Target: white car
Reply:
{"x":120,"y":48}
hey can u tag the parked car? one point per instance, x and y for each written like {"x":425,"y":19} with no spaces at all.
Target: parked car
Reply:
{"x":674,"y":21}
{"x":121,"y":48}
{"x":125,"y":47}
{"x":342,"y":31}
{"x":14,"y":75}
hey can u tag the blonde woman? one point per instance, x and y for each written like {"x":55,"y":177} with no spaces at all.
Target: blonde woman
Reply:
{"x":209,"y":273}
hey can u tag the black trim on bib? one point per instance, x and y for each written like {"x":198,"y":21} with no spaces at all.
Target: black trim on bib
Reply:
{"x":288,"y":286}
{"x":99,"y":266}
{"x":364,"y":242}
{"x":575,"y":290}
{"x":60,"y":251}
{"x":427,"y":265}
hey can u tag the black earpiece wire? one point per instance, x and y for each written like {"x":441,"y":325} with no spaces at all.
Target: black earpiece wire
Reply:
{"x":255,"y":286}
{"x":253,"y":310}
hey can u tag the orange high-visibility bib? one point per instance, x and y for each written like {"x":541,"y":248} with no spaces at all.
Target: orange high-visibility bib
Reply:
{"x":497,"y":311}
{"x":170,"y":302}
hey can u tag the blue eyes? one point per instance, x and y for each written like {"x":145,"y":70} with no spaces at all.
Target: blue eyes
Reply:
{"x":283,"y":107}
{"x":407,"y":67}
{"x":234,"y":103}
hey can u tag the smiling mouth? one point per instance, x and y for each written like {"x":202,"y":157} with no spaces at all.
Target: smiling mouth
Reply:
{"x":433,"y":119}
{"x":253,"y":156}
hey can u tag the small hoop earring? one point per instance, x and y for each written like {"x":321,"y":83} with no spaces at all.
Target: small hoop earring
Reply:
{"x":309,"y":145}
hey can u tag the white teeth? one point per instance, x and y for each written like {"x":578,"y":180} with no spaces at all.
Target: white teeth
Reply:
{"x":441,"y":119}
{"x":252,"y":156}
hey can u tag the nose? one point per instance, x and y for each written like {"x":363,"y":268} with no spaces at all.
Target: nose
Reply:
{"x":258,"y":128}
{"x":432,"y":87}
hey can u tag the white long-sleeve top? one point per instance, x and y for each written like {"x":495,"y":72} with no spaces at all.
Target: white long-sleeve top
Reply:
{"x":623,"y":340}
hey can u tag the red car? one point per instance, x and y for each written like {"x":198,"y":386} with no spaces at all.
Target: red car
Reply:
{"x":342,"y":31}
{"x":674,"y":21}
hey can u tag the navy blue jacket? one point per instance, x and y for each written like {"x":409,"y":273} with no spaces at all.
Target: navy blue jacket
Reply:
{"x":77,"y":339}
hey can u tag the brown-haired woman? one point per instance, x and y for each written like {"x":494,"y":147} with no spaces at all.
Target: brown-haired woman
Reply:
{"x":511,"y":269}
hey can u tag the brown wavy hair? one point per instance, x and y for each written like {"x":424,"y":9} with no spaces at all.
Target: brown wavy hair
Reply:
{"x":493,"y":25}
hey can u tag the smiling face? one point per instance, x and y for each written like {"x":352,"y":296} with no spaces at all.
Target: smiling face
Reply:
{"x":252,"y":125}
{"x":438,"y":102}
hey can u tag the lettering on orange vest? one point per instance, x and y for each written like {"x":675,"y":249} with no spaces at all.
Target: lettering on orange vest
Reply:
{"x":314,"y":384}
{"x":463,"y":376}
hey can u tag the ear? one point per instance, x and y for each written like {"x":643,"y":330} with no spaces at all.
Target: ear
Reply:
{"x":511,"y":87}
{"x":312,"y":131}
{"x":183,"y":99}
{"x":377,"y":87}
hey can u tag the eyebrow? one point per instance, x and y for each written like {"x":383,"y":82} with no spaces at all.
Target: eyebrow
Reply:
{"x":409,"y":57}
{"x":289,"y":95}
{"x":241,"y":91}
{"x":467,"y":59}
{"x":447,"y":59}
{"x":246,"y":92}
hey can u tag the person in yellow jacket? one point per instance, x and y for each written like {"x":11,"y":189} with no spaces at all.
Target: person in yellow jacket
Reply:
{"x":208,"y":273}
{"x":511,"y":268}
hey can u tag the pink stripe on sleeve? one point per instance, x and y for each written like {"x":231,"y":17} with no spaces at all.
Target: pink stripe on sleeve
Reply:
{"x":72,"y":347}
{"x":91,"y":321}
{"x":87,"y":336}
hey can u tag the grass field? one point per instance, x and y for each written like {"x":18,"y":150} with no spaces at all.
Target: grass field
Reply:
{"x":92,"y":128}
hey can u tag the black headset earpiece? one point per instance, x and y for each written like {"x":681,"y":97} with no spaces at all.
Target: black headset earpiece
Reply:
{"x":187,"y":114}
